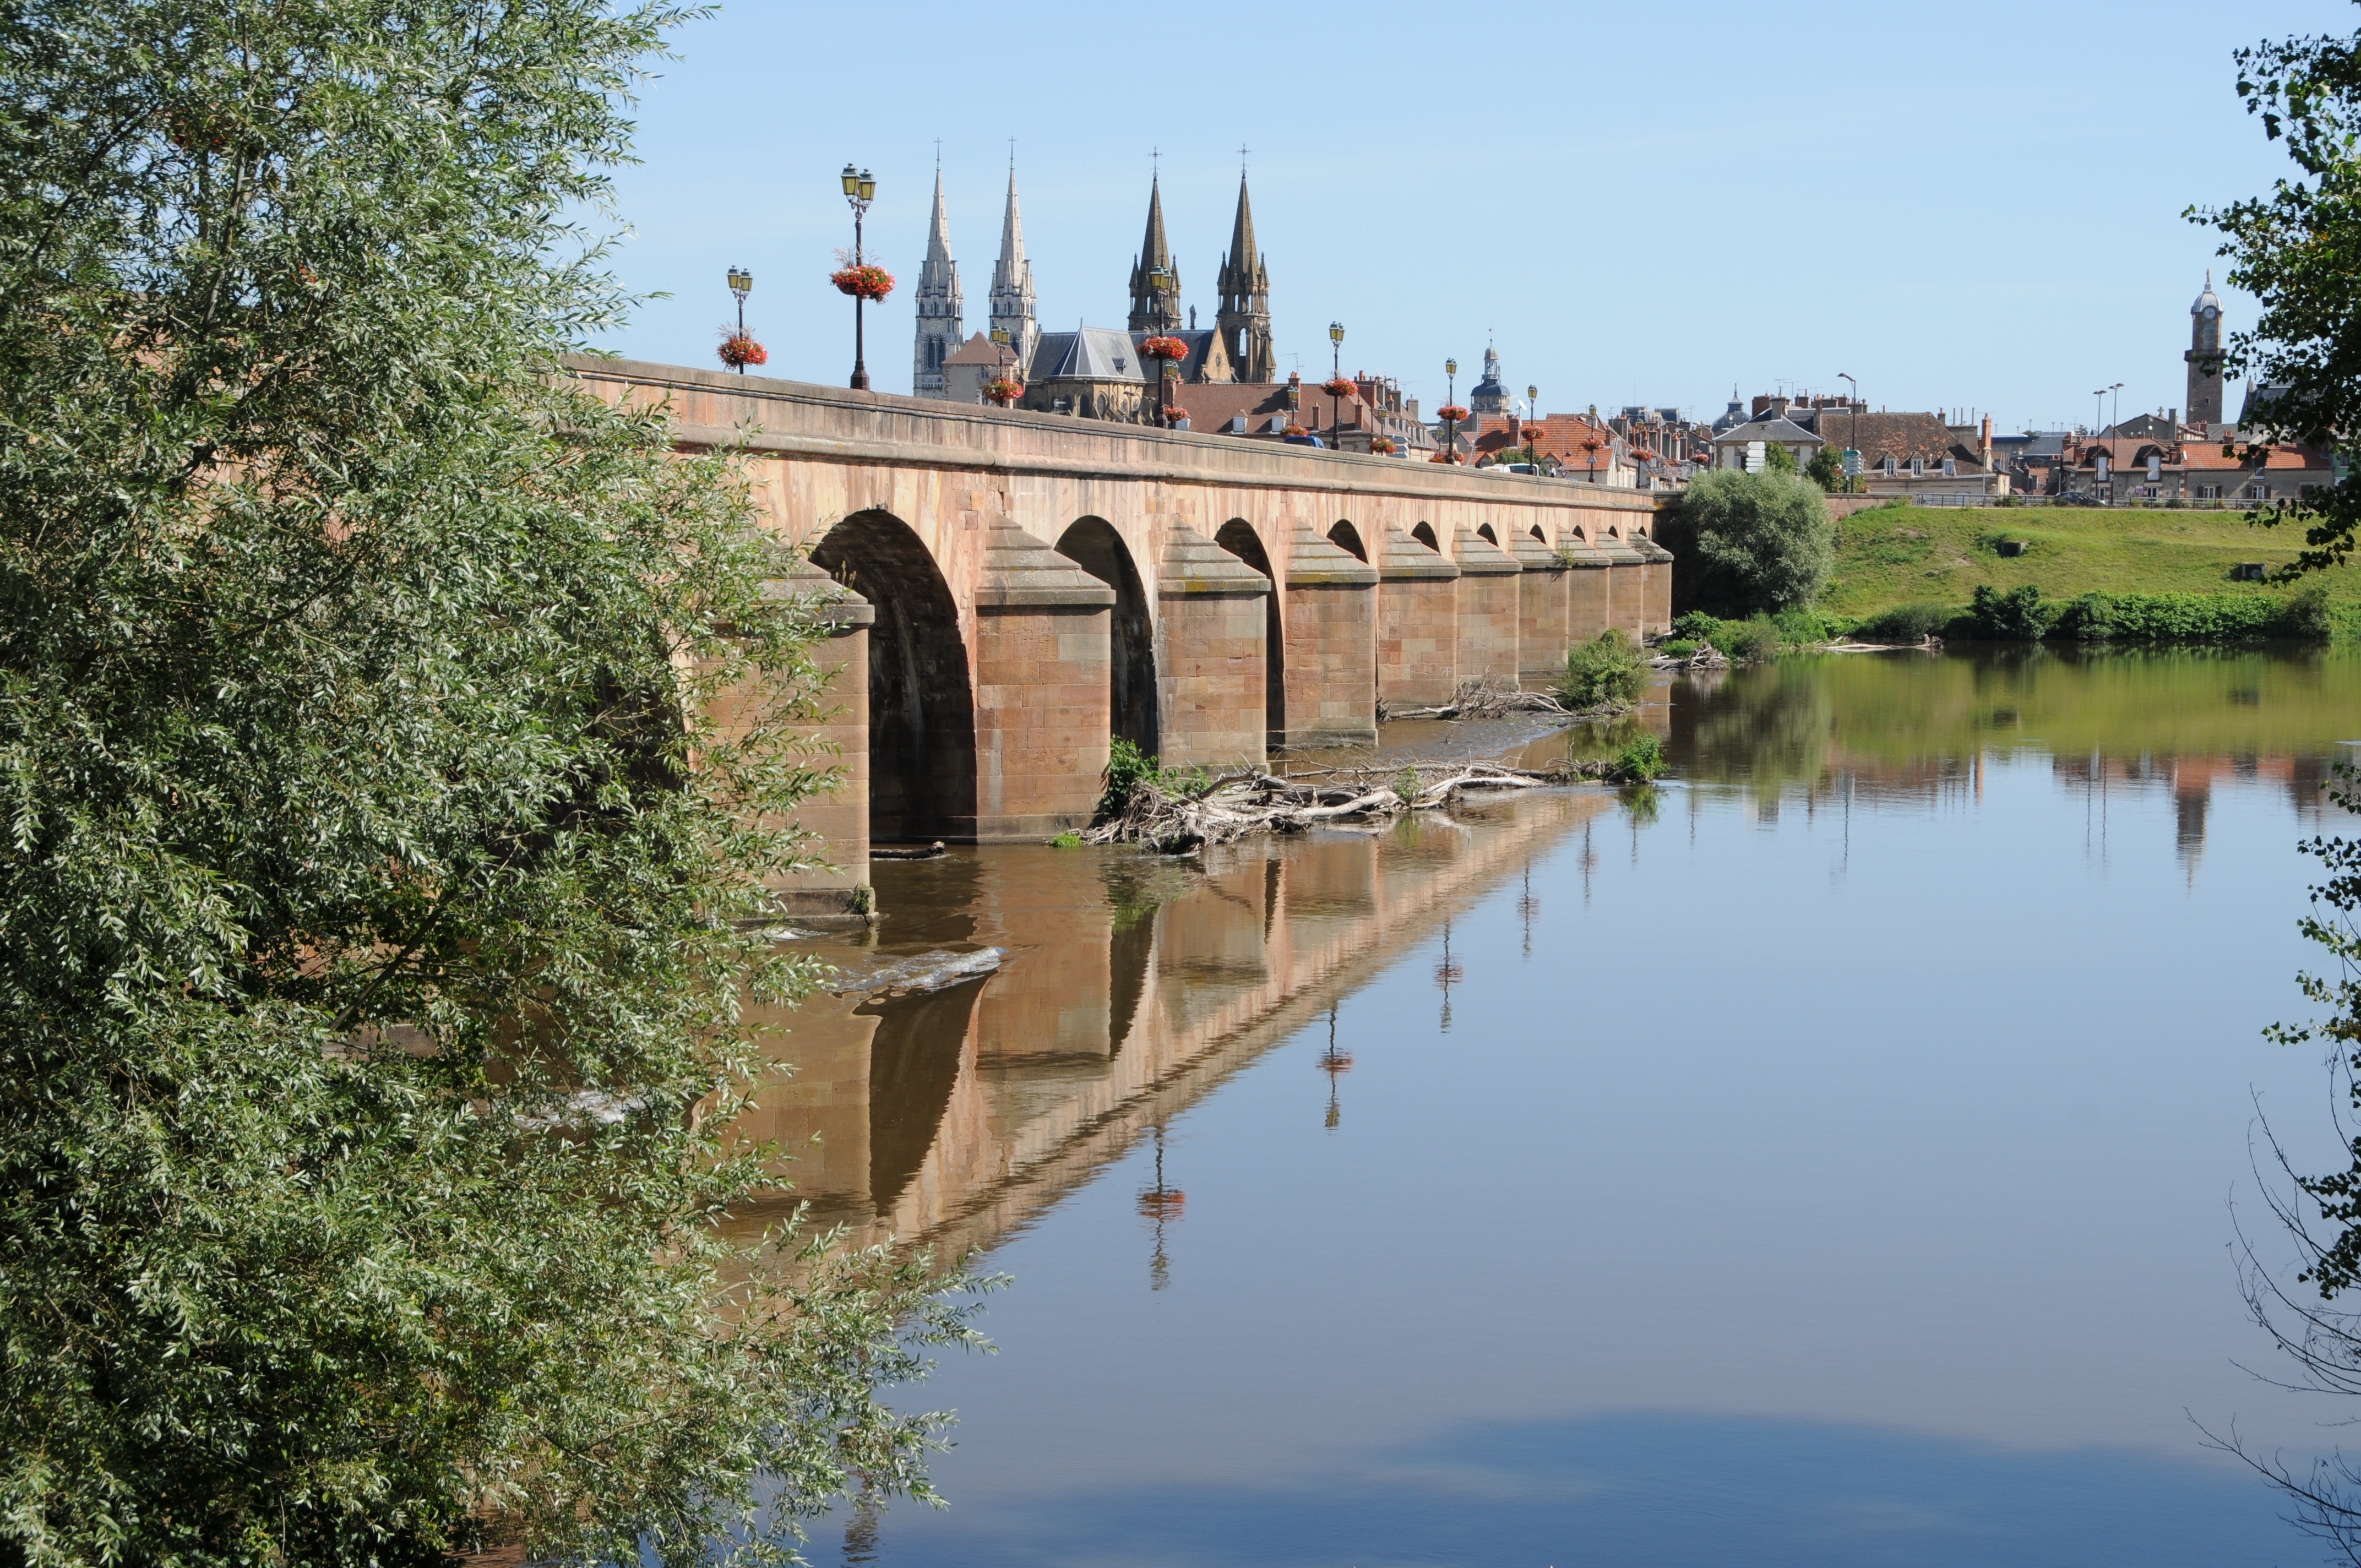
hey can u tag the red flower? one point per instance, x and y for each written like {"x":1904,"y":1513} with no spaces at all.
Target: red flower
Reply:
{"x":1164,"y":347}
{"x":862,"y":282}
{"x":737,"y":351}
{"x":1001,"y":389}
{"x":1294,"y":429}
{"x":1451,"y":411}
{"x":1174,"y":414}
{"x":1381,"y":444}
{"x":1341,"y":387}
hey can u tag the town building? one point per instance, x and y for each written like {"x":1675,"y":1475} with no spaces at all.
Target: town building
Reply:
{"x":974,"y":365}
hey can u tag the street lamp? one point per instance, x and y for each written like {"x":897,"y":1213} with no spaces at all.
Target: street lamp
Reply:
{"x":1451,"y":401}
{"x":1533,"y":412}
{"x":1855,"y":439}
{"x":860,"y":189}
{"x":1336,"y":384}
{"x":2118,"y":390}
{"x":741,"y":283}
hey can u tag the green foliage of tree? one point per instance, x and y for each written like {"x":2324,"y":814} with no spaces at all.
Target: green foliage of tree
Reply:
{"x":2293,"y":250}
{"x":380,"y":909}
{"x":1757,"y":544}
{"x":1826,"y":470}
{"x":1777,"y":459}
{"x":1605,"y":671}
{"x":2016,"y":616}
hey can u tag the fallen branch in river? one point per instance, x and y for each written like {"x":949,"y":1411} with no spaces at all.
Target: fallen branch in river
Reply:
{"x":1174,"y":821}
{"x":1485,"y":699}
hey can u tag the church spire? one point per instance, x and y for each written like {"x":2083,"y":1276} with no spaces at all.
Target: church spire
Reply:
{"x":1155,"y":307}
{"x":1244,"y":320}
{"x":1012,"y":282}
{"x":939,"y":305}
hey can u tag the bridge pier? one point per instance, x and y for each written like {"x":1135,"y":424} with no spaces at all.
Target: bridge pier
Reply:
{"x":1331,"y":617}
{"x":1589,"y":590}
{"x":1418,"y":623}
{"x":1042,"y":706}
{"x":1540,"y":611}
{"x":837,"y":819}
{"x":1210,"y":654}
{"x":1489,"y":606}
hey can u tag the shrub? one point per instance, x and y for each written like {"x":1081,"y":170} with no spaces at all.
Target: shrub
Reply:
{"x":1904,"y":623}
{"x":1067,"y":840}
{"x":2307,"y":616}
{"x":2194,"y":618}
{"x":1826,"y":469}
{"x":1127,"y":768}
{"x":2016,"y":616}
{"x":1676,"y":648}
{"x":1801,"y":628}
{"x":1749,"y":641}
{"x":1607,"y":669}
{"x":1641,"y":760}
{"x":1757,"y":544}
{"x":1777,"y":459}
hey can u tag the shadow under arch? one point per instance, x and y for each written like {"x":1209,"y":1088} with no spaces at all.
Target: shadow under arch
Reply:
{"x":921,"y":704}
{"x":1093,"y":545}
{"x":1491,"y":538}
{"x":1424,"y":535}
{"x":1237,"y":536}
{"x":1348,"y":538}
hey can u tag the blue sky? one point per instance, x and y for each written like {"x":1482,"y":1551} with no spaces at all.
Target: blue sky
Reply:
{"x":1974,"y":208}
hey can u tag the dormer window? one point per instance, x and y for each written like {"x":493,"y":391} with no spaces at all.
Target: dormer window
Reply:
{"x":1918,"y":467}
{"x":1950,"y":467}
{"x":1889,"y":464}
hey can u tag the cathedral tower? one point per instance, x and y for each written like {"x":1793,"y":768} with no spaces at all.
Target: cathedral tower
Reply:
{"x":939,"y":305}
{"x":1488,"y":396}
{"x":1155,"y":307}
{"x":1012,"y":284}
{"x":2204,"y":357}
{"x":1245,"y":284}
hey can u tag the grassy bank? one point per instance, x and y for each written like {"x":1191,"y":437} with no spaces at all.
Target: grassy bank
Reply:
{"x":1904,"y":556}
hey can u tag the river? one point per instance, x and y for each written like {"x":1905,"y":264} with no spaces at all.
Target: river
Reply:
{"x":1832,"y":1157}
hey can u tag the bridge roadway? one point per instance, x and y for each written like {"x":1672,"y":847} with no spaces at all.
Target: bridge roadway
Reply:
{"x":1009,"y":589}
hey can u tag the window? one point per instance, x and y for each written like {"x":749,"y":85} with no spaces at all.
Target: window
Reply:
{"x":1950,"y":467}
{"x":2155,"y":467}
{"x":1889,"y":463}
{"x":1918,"y":467}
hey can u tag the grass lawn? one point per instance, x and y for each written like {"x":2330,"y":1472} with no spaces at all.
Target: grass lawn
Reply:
{"x":1902,"y":555}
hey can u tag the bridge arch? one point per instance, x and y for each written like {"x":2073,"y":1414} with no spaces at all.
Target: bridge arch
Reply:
{"x":1348,"y":538}
{"x":1093,"y":545}
{"x":921,"y":695}
{"x":1238,"y":537}
{"x":1484,"y":529}
{"x":1424,"y":533}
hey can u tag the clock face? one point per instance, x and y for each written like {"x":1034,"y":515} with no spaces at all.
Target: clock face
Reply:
{"x":2211,"y":312}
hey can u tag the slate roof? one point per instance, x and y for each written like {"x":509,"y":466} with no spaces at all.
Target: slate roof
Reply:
{"x":1904,"y":437}
{"x":1088,"y":353}
{"x":1785,"y":432}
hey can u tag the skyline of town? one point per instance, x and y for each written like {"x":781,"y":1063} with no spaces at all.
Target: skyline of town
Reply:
{"x":1926,"y":270}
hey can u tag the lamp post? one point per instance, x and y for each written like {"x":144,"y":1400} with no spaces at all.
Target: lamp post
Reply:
{"x":860,"y":189}
{"x":1451,"y":401}
{"x":1335,"y":376}
{"x":2118,"y":390}
{"x":1854,"y":441}
{"x":1533,"y":412}
{"x":741,"y":283}
{"x":2099,"y":414}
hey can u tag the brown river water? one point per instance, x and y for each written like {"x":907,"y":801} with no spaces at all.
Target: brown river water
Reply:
{"x":1828,"y":1157}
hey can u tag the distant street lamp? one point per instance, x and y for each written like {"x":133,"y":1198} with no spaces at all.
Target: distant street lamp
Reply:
{"x":1533,"y":412}
{"x":2099,"y":414}
{"x":1336,"y":384}
{"x":738,"y":350}
{"x":1854,"y":442}
{"x":860,"y":189}
{"x":741,"y":283}
{"x":1450,"y":403}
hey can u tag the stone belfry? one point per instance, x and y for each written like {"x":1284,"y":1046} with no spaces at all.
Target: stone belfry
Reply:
{"x":2204,"y":357}
{"x":1245,"y":283}
{"x":1155,"y":307}
{"x":939,"y":305}
{"x":1012,"y":283}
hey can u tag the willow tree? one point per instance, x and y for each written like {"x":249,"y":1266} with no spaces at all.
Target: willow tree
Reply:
{"x":379,"y":915}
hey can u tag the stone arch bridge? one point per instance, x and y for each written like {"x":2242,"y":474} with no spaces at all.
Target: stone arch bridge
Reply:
{"x":1010,"y":589}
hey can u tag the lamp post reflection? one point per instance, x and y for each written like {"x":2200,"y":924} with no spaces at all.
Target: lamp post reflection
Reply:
{"x":1447,"y":974}
{"x":1335,"y":1064}
{"x":1159,"y":1204}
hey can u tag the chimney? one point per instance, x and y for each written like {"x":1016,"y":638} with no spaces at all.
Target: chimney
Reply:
{"x":1984,"y":440}
{"x":1778,"y":408}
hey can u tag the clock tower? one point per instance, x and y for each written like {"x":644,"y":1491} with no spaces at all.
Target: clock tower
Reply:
{"x":2204,"y":357}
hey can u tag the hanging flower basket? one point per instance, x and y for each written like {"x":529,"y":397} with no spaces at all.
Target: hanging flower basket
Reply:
{"x":1294,"y":429}
{"x":1004,"y":391}
{"x":1341,"y":387}
{"x":1174,"y":414}
{"x":737,"y":351}
{"x":862,"y":282}
{"x":1383,"y":445}
{"x":1451,"y":411}
{"x":1164,"y":347}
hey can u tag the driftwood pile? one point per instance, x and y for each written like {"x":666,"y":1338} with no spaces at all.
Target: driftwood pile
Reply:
{"x":1485,"y":699}
{"x":1215,"y":811}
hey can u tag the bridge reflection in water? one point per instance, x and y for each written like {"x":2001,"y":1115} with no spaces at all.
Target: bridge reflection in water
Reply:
{"x":1133,"y":988}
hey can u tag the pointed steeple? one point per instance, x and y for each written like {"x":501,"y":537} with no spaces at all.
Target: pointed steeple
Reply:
{"x":1154,"y":307}
{"x":939,"y":305}
{"x":1244,"y":320}
{"x":1012,"y":282}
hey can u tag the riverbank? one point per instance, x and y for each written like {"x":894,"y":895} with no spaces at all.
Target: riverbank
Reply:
{"x":1893,"y":557}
